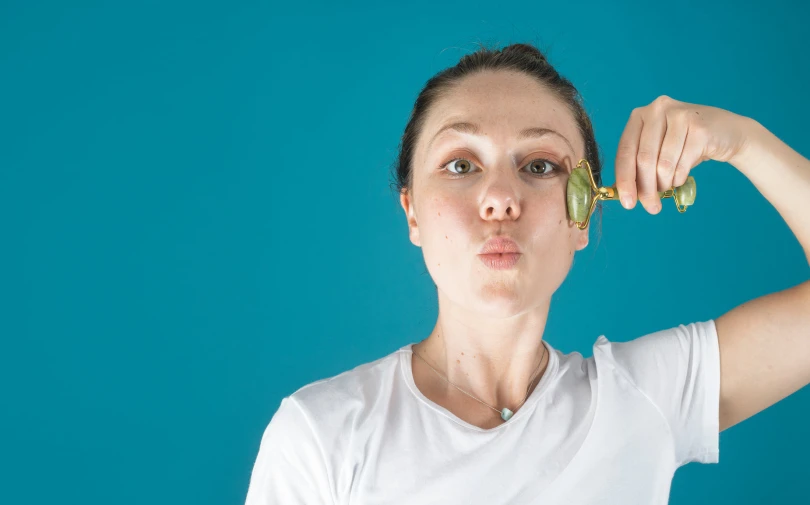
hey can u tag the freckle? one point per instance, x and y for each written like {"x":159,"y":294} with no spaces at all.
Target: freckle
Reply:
{"x":462,"y":354}
{"x":445,"y":236}
{"x":458,"y":361}
{"x":440,"y":213}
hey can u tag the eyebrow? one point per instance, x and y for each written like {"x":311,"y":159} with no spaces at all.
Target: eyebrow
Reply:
{"x":474,"y":129}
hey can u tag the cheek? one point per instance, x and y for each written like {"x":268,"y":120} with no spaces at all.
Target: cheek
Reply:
{"x":448,"y":213}
{"x":547,"y":222}
{"x":448,"y":226}
{"x":547,"y":211}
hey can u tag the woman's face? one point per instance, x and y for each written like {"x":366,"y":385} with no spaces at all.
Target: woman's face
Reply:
{"x":502,"y":183}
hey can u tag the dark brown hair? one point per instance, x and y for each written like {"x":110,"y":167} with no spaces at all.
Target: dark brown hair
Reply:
{"x":524,"y":58}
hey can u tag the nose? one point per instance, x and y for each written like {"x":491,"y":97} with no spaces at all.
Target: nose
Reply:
{"x":500,"y":203}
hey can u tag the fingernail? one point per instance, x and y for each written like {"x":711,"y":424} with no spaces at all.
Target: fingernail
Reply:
{"x":627,"y":201}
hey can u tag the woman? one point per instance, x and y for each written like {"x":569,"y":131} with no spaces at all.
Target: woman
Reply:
{"x":483,"y":410}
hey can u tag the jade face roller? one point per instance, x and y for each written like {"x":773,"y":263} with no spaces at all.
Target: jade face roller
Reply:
{"x":582,"y":194}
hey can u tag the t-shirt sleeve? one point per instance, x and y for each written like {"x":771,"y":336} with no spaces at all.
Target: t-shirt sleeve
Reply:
{"x":290,"y":467}
{"x":678,"y":369}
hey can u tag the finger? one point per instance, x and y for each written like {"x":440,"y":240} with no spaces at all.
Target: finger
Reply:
{"x":690,"y":157}
{"x":626,"y":160}
{"x":671,"y":149}
{"x":652,"y":135}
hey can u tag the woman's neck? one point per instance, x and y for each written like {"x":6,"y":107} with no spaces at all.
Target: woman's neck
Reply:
{"x":502,"y":380}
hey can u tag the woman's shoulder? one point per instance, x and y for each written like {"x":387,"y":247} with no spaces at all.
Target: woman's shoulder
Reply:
{"x":650,"y":360}
{"x":350,"y":389}
{"x":645,"y":356}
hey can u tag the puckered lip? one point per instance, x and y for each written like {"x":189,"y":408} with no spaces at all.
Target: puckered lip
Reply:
{"x":497,"y":245}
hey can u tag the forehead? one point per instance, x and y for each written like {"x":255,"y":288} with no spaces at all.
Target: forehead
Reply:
{"x":503,"y":104}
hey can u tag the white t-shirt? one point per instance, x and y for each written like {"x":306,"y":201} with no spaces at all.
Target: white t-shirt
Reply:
{"x":609,"y":429}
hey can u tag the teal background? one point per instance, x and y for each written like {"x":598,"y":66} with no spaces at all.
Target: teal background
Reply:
{"x":197,"y":221}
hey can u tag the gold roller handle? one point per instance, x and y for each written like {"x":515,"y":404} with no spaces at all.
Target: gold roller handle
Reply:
{"x":582,"y":194}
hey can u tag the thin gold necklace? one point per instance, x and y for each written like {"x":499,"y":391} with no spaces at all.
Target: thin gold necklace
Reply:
{"x":505,"y":412}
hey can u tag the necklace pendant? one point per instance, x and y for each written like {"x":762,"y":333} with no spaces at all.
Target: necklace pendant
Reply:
{"x":506,"y":414}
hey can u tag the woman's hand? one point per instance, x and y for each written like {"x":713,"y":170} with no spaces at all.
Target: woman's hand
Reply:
{"x":666,"y":139}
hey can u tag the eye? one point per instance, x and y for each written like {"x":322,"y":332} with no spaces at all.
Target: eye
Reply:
{"x":540,"y":162}
{"x":466,"y":165}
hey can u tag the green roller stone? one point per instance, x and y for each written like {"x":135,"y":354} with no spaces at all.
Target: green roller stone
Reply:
{"x":579,"y":194}
{"x":685,"y":195}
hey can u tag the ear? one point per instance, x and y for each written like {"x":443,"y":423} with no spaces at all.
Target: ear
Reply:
{"x":413,"y":228}
{"x":582,"y":237}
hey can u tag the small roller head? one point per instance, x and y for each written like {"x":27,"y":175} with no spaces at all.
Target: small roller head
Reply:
{"x":579,"y":195}
{"x":685,"y":195}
